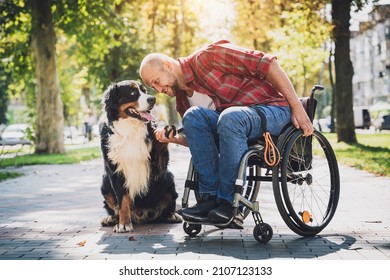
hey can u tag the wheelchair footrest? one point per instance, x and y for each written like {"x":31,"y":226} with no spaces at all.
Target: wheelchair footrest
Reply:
{"x":235,"y":223}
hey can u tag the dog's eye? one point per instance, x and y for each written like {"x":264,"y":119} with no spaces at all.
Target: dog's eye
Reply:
{"x":143,"y":89}
{"x":135,"y":94}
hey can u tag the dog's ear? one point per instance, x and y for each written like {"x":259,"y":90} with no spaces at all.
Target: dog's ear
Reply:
{"x":111,"y":103}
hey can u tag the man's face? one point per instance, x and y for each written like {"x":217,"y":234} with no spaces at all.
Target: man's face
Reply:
{"x":161,"y":80}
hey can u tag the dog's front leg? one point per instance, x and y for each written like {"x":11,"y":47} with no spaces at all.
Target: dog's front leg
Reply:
{"x":125,"y":224}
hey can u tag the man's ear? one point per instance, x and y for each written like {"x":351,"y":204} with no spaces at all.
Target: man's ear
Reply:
{"x":167,"y":65}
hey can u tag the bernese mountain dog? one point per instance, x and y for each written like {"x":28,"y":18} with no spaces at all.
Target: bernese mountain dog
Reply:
{"x":137,"y":186}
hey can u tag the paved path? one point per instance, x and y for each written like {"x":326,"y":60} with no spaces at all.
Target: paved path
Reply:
{"x":54,"y":213}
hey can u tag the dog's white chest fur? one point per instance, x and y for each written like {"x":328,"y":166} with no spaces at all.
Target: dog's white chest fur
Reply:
{"x":130,"y":150}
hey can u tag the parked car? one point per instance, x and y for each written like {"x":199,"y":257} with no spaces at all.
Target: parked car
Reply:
{"x":362,"y":117}
{"x":15,"y":134}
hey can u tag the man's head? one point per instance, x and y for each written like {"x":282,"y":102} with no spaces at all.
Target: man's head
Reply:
{"x":159,"y":72}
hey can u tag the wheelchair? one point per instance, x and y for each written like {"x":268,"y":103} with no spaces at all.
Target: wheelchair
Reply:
{"x":306,"y":183}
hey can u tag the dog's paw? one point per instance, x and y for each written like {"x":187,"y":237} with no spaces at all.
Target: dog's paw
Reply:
{"x":168,"y":129}
{"x":175,"y":218}
{"x":109,"y":221}
{"x":119,"y":228}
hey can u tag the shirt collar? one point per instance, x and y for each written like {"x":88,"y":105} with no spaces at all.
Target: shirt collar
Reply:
{"x":187,"y":71}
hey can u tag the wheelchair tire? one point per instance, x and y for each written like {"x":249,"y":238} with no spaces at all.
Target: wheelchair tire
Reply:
{"x":262,"y":233}
{"x":306,"y":183}
{"x":192,"y":229}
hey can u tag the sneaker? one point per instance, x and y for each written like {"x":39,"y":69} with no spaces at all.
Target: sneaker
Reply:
{"x":201,"y":209}
{"x":223,"y":213}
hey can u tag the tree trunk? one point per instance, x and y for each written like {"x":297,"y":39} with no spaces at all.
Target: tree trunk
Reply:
{"x":345,"y":127}
{"x":49,"y":109}
{"x":113,"y":58}
{"x":333,"y":94}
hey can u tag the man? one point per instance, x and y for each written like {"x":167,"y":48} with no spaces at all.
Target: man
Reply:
{"x":217,"y":89}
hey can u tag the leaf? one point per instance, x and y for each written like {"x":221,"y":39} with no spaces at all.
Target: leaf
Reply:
{"x":82,"y":243}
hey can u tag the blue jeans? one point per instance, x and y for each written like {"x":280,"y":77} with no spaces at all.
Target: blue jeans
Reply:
{"x":217,"y":142}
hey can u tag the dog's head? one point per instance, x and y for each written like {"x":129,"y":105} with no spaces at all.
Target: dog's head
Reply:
{"x":128,"y":99}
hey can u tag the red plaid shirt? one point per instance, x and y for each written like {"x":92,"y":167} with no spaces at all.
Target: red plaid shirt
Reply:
{"x":230,"y":75}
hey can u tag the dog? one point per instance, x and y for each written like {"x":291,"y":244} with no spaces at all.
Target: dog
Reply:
{"x":137,"y":186}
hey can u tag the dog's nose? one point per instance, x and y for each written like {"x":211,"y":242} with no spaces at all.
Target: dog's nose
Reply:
{"x":152,"y":100}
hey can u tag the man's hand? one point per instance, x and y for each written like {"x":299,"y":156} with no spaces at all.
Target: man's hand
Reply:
{"x":163,"y":136}
{"x":300,"y":120}
{"x":168,"y":135}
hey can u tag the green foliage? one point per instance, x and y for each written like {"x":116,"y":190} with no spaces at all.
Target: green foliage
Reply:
{"x":303,"y":55}
{"x":16,"y":75}
{"x":297,"y":36}
{"x":4,"y":175}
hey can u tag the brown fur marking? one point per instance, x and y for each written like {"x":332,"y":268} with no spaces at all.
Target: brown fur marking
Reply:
{"x":124,"y":211}
{"x":110,"y":200}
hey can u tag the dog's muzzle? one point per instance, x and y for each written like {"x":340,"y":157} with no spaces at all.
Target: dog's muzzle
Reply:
{"x":142,"y":116}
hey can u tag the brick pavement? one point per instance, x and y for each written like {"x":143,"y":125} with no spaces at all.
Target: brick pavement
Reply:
{"x":54,"y":213}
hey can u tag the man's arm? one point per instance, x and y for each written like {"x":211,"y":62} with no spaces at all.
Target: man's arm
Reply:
{"x":281,"y":82}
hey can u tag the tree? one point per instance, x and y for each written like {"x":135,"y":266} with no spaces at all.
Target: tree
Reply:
{"x":49,"y":110}
{"x":15,"y":72}
{"x":345,"y":127}
{"x":31,"y":23}
{"x":341,"y":15}
{"x":3,"y":97}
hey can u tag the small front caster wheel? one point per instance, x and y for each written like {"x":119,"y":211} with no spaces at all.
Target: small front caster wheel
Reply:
{"x":263,"y":233}
{"x":191,"y":229}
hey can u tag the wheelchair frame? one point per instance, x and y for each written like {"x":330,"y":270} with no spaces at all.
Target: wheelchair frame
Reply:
{"x":301,"y":169}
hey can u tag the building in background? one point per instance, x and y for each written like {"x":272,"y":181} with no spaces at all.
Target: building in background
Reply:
{"x":370,"y":55}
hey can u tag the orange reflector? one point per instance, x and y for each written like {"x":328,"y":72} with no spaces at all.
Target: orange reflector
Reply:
{"x":306,"y":217}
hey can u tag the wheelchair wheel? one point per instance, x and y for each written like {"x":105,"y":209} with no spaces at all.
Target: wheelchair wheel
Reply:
{"x":192,"y":229}
{"x":307,"y":184}
{"x":262,"y":233}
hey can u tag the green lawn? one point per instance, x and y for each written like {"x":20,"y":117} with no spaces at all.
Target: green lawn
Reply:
{"x":372,"y":153}
{"x":72,"y":155}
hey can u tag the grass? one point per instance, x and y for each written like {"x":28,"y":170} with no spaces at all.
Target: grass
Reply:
{"x":9,"y":175}
{"x":73,"y":155}
{"x":371,"y":153}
